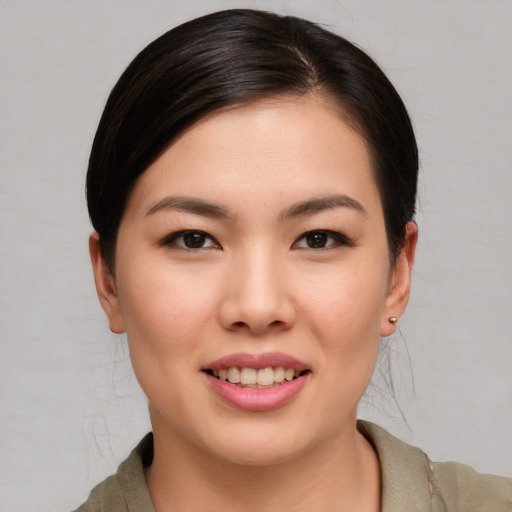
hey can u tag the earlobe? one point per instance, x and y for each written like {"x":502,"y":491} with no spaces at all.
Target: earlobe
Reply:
{"x":105,"y":286}
{"x":400,"y":283}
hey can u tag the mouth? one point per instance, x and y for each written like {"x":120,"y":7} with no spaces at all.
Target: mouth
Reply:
{"x":257,"y":378}
{"x":257,"y":382}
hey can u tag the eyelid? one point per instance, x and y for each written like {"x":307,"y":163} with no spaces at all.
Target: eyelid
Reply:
{"x":170,"y":240}
{"x":341,"y":240}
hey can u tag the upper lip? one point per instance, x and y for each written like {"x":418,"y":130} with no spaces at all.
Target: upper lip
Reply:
{"x":257,"y":361}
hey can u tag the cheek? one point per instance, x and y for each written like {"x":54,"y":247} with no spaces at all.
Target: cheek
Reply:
{"x":166,"y":315}
{"x":344,"y":311}
{"x":347,"y":298}
{"x":165,"y":312}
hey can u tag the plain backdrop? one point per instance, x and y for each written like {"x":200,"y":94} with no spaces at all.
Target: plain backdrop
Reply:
{"x":70,"y":409}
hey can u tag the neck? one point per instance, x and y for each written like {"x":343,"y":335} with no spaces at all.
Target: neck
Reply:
{"x":341,"y":474}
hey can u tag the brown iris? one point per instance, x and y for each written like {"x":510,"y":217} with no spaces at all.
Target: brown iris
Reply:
{"x":194,"y":239}
{"x":317,"y":239}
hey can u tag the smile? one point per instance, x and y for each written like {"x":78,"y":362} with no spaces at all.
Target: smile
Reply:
{"x":257,"y":383}
{"x":253,"y":378}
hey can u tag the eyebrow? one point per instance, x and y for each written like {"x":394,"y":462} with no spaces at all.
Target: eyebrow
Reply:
{"x":304,"y":208}
{"x":319,"y":204}
{"x":191,"y":205}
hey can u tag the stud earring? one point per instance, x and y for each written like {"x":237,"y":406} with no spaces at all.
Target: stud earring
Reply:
{"x":393,"y":320}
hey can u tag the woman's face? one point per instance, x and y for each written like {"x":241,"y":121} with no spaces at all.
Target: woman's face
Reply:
{"x":255,"y":247}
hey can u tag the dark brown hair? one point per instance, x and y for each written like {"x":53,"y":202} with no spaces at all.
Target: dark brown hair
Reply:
{"x":233,"y":57}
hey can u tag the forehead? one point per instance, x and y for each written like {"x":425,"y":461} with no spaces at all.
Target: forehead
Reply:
{"x":278,"y":147}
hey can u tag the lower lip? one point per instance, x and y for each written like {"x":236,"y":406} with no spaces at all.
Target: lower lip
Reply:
{"x":251,"y":399}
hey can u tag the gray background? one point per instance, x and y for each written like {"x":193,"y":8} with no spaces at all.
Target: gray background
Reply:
{"x":69,"y":406}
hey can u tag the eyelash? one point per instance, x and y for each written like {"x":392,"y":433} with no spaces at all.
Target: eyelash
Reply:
{"x":339,"y":240}
{"x":174,"y":237}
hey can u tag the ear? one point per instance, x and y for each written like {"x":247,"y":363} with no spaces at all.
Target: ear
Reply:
{"x":400,"y":281}
{"x":105,"y":286}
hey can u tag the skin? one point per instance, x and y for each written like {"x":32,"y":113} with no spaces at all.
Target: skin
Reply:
{"x":256,"y":286}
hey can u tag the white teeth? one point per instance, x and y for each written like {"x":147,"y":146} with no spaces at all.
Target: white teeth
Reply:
{"x":248,"y":376}
{"x":279,"y":374}
{"x":253,"y":377}
{"x":265,"y":376}
{"x":234,"y":375}
{"x":289,"y":373}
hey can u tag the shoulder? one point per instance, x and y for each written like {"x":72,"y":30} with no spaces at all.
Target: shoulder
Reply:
{"x":126,"y":490}
{"x":106,"y":496}
{"x":463,"y":488}
{"x":410,"y":481}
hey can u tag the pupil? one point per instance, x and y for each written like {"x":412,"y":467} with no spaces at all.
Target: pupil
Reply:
{"x":316,"y":240}
{"x":194,"y":240}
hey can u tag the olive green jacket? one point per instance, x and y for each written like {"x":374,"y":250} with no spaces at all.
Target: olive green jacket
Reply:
{"x":410,"y":482}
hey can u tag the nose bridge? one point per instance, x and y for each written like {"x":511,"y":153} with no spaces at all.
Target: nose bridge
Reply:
{"x":259,"y":287}
{"x":257,"y":298}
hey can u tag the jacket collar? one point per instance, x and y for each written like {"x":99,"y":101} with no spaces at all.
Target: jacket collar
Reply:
{"x":405,"y":471}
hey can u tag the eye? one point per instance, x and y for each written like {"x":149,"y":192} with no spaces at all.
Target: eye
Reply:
{"x":191,"y":239}
{"x":322,"y":239}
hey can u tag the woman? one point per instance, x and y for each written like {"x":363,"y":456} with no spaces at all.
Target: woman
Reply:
{"x":252,"y":185}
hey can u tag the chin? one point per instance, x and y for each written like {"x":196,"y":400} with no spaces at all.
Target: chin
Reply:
{"x":257,"y":453}
{"x":261,"y":444}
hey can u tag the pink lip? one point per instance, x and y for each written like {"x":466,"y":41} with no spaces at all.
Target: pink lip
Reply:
{"x":257,"y":399}
{"x":257,"y":361}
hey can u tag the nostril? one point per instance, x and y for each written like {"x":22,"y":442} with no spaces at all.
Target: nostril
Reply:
{"x":272,"y":325}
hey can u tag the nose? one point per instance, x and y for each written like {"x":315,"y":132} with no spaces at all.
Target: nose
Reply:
{"x":257,"y":297}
